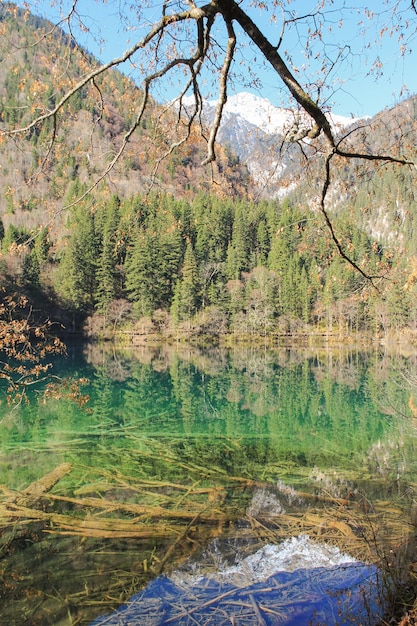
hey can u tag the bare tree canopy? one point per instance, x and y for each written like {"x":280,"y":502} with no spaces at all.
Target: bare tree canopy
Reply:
{"x":208,"y":46}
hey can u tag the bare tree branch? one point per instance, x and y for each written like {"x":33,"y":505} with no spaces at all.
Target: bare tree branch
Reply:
{"x":329,"y":224}
{"x":224,"y":75}
{"x":271,"y":54}
{"x":101,"y":69}
{"x":205,"y":50}
{"x":387,"y":158}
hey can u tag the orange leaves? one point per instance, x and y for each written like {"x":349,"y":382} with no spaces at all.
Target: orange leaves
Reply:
{"x":412,"y":406}
{"x":24,"y":345}
{"x":412,"y":276}
{"x":68,"y":390}
{"x":37,"y":88}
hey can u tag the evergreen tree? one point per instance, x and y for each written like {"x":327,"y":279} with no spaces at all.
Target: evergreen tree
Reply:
{"x":106,"y":274}
{"x":291,"y":296}
{"x":152,"y":266}
{"x":333,"y":290}
{"x":175,"y":309}
{"x":30,"y":269}
{"x":187,"y":289}
{"x":170,"y":255}
{"x":140,"y":267}
{"x":14,"y":235}
{"x":399,"y":305}
{"x":213,"y":224}
{"x":304,"y":295}
{"x":262,"y":244}
{"x":42,"y":245}
{"x":76,"y":279}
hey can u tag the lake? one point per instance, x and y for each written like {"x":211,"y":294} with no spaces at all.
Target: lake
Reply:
{"x":176,"y":485}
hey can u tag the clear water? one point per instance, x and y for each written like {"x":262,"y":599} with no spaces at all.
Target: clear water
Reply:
{"x":294,"y":424}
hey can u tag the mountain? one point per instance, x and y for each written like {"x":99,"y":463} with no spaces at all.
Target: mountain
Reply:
{"x":38,"y":64}
{"x":270,"y":119}
{"x":377,"y":194}
{"x":41,"y":167}
{"x":261,"y":135}
{"x":98,"y":243}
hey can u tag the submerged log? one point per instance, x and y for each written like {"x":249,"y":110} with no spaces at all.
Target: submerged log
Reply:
{"x":34,"y":492}
{"x":147,"y":511}
{"x":22,"y":508}
{"x":195,"y":506}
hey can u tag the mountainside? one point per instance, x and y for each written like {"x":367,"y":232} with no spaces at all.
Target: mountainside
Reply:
{"x":38,"y":176}
{"x":270,"y":119}
{"x":378,"y":195}
{"x":38,"y":64}
{"x":263,"y":135}
{"x":162,"y":242}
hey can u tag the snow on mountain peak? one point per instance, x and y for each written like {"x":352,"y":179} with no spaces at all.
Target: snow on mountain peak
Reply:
{"x":271,"y":119}
{"x":249,"y":125}
{"x":259,"y":112}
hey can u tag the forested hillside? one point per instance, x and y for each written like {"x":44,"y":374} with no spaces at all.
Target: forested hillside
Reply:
{"x":211,"y":266}
{"x":38,"y":65}
{"x":169,"y":245}
{"x":379,"y":195}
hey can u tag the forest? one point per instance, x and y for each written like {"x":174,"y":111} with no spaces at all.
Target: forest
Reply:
{"x":269,"y":307}
{"x":208,"y":267}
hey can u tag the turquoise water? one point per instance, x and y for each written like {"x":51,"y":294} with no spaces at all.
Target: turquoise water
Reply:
{"x":322,"y":423}
{"x":307,"y":411}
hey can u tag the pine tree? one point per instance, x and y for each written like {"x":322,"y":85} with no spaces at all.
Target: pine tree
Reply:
{"x":76,"y":279}
{"x":189,"y":285}
{"x":262,"y":244}
{"x":30,"y":270}
{"x":14,"y":235}
{"x":175,"y":309}
{"x":139,"y":274}
{"x":291,"y":294}
{"x":106,"y":274}
{"x":152,"y":266}
{"x":213,"y":221}
{"x":238,"y":249}
{"x":42,"y":245}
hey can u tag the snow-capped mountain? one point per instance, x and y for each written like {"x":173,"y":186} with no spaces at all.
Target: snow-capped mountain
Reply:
{"x":270,"y":119}
{"x":258,"y":112}
{"x":260,"y":134}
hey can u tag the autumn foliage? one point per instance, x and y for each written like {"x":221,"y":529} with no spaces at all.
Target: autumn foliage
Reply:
{"x":25,"y":345}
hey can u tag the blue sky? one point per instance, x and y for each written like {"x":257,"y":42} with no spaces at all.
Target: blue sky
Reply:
{"x":374,"y":71}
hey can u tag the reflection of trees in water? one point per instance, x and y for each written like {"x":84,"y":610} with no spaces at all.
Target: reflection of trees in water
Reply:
{"x":344,"y":367}
{"x":322,"y":394}
{"x":392,"y":386}
{"x":113,"y":361}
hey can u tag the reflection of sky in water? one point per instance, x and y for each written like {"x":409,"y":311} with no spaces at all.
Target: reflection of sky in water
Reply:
{"x":295,"y":583}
